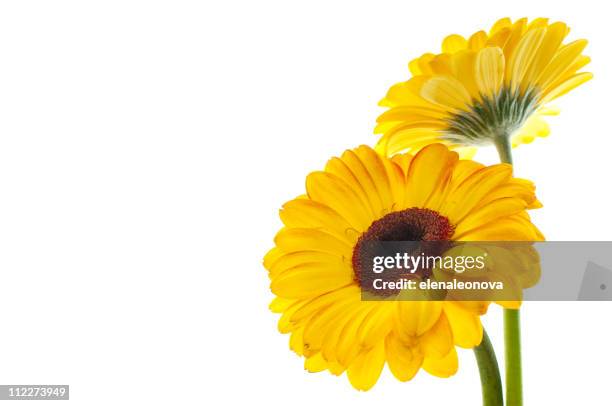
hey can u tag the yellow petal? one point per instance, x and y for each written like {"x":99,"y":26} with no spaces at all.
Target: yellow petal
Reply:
{"x":377,"y":171}
{"x":309,"y":280}
{"x":308,"y":239}
{"x":420,"y":65}
{"x":397,"y":180}
{"x":512,"y":228}
{"x":324,"y":321}
{"x":568,"y":85}
{"x":555,"y":33}
{"x":366,"y":368}
{"x":429,"y":172}
{"x":316,"y":363}
{"x":465,"y":325}
{"x":500,"y":24}
{"x":284,"y":323}
{"x":540,"y":22}
{"x":346,"y":294}
{"x":437,"y":341}
{"x":441,"y":65}
{"x":335,"y":368}
{"x":407,"y":94}
{"x":490,"y":65}
{"x":473,"y":190}
{"x":404,"y":362}
{"x":347,"y":347}
{"x":464,"y":69}
{"x":446,"y":91}
{"x":279,"y":304}
{"x":342,"y":197}
{"x":409,"y":139}
{"x":271,"y":257}
{"x":516,"y":34}
{"x":477,"y":41}
{"x":515,"y":187}
{"x":376,"y":325}
{"x":563,"y":59}
{"x":295,"y":341}
{"x":463,"y":170}
{"x":442,"y":367}
{"x":500,"y":38}
{"x":523,"y":56}
{"x":453,"y":43}
{"x":491,"y":212}
{"x":306,"y":213}
{"x":464,"y":152}
{"x":415,"y":318}
{"x":403,"y":161}
{"x":290,"y":260}
{"x":413,"y":67}
{"x":355,"y":172}
{"x":334,"y":337}
{"x":408,"y":113}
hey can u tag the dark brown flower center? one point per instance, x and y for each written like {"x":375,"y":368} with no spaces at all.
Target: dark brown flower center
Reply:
{"x":414,"y":225}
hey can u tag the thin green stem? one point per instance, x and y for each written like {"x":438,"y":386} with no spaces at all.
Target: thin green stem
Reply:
{"x":512,"y":339}
{"x":512,"y":319}
{"x":490,"y":379}
{"x":504,"y":149}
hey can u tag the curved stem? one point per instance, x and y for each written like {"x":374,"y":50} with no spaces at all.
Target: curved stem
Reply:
{"x":512,"y":318}
{"x":490,"y":378}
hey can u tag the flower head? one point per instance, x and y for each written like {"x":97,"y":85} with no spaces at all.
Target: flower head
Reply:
{"x":363,"y":195}
{"x":487,"y":89}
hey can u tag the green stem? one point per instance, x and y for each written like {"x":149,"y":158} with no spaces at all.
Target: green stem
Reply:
{"x":512,"y":319}
{"x":504,"y":149}
{"x":490,"y":380}
{"x":512,"y":338}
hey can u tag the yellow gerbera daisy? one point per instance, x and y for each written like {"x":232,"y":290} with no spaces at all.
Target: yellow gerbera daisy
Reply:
{"x":364,"y":195}
{"x":489,"y":88}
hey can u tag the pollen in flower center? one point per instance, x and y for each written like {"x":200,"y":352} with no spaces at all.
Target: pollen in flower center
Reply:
{"x":492,"y":117}
{"x":414,"y":224}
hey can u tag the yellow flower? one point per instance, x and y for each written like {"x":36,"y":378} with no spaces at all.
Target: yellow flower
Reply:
{"x":489,"y":89}
{"x":364,"y":195}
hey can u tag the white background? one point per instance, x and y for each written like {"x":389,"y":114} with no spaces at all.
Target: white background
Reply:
{"x":145,"y":148}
